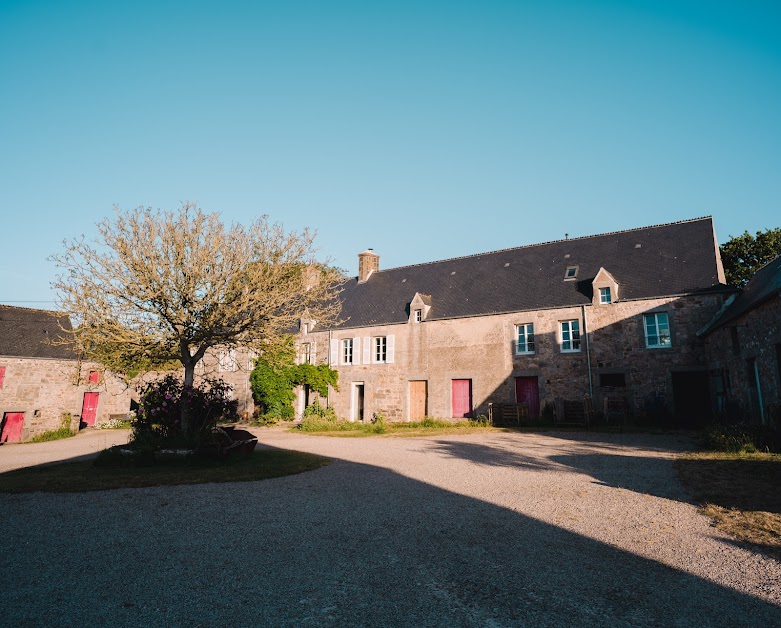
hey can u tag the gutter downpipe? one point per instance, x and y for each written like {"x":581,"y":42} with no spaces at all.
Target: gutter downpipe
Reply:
{"x":328,"y":396}
{"x":588,"y":356}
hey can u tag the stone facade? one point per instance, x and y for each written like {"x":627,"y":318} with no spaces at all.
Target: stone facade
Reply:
{"x":45,"y":389}
{"x":483,"y":350}
{"x":746,"y":359}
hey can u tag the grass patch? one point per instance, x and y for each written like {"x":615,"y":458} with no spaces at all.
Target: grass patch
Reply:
{"x":739,"y":491}
{"x":59,"y":433}
{"x":76,"y":477}
{"x":426,"y":426}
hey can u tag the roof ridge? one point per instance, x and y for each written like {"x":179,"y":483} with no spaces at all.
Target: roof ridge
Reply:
{"x":528,"y":246}
{"x":32,"y":309}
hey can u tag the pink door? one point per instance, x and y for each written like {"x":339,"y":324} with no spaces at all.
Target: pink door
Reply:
{"x":89,"y":410}
{"x":462,"y":398}
{"x":11,"y":429}
{"x":527,"y":391}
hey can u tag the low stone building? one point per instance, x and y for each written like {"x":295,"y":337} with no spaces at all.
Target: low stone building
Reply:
{"x":42,"y":382}
{"x":604,"y":322}
{"x":743,"y":344}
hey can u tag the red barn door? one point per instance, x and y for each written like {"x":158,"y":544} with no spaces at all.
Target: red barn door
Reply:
{"x":462,"y":398}
{"x":89,"y":410}
{"x":11,"y":429}
{"x":527,"y":391}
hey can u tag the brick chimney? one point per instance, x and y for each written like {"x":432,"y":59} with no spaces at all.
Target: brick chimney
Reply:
{"x":368,"y":262}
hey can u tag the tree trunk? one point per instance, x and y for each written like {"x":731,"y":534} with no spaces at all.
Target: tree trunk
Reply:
{"x":189,"y":379}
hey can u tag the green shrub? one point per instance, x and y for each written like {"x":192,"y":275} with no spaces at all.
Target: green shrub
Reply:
{"x":431,"y":422}
{"x":378,"y":423}
{"x":317,"y":418}
{"x":60,"y":432}
{"x":744,"y":438}
{"x":158,"y":423}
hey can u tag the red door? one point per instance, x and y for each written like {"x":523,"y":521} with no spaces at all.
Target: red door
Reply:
{"x":462,"y":398}
{"x":89,"y":410}
{"x":11,"y":429}
{"x":527,"y":391}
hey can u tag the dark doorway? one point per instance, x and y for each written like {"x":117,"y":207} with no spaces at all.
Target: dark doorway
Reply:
{"x":691,"y":399}
{"x":358,"y":401}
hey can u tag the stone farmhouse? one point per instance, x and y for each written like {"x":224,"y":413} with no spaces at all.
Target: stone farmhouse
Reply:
{"x":601,"y":324}
{"x":41,"y":381}
{"x":743,"y":344}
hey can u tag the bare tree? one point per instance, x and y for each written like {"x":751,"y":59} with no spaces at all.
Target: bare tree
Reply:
{"x":155,"y":287}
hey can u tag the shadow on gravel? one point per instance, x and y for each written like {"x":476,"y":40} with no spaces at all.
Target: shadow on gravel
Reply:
{"x":351,"y":544}
{"x":641,"y":474}
{"x":679,"y":441}
{"x":491,"y":455}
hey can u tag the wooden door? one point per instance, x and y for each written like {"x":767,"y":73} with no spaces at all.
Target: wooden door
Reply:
{"x":462,"y":398}
{"x":89,"y":409}
{"x":527,"y":391}
{"x":418,"y":400}
{"x":11,"y":429}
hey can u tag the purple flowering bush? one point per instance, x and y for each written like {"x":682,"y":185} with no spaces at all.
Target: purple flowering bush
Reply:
{"x":158,"y":423}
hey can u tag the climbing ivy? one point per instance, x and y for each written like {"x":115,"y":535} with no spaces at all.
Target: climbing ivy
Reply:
{"x":276,"y":374}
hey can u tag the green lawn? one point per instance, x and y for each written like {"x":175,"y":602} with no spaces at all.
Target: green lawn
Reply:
{"x":74,"y":477}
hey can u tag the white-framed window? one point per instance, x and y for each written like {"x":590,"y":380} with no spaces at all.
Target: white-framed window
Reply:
{"x":570,"y":336}
{"x":571,"y":273}
{"x":605,"y":296}
{"x":380,"y":349}
{"x":657,"y":330}
{"x":306,"y":353}
{"x":418,"y":316}
{"x":227,"y":361}
{"x":347,"y":351}
{"x":524,"y":338}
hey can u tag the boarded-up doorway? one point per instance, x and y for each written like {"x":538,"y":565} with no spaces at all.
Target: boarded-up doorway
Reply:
{"x":527,"y":391}
{"x":89,"y":409}
{"x":462,"y":398}
{"x":418,"y":399}
{"x":11,"y":428}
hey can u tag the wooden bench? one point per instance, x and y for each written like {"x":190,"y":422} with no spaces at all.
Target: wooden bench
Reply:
{"x":507,"y":413}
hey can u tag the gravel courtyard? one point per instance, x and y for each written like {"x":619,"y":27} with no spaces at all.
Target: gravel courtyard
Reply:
{"x":486,"y":529}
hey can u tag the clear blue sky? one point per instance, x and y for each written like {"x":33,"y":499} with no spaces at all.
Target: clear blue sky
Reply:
{"x":422,"y":129}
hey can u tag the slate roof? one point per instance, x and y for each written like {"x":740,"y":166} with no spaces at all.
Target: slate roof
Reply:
{"x":671,"y":259}
{"x":763,"y":286}
{"x":27,"y":333}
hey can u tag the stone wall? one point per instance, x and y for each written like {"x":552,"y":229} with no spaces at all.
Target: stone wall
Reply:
{"x":45,"y":389}
{"x":747,"y":347}
{"x":481,"y":349}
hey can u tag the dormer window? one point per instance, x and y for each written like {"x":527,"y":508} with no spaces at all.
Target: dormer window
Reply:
{"x":571,"y":273}
{"x":605,"y":288}
{"x":419,"y":308}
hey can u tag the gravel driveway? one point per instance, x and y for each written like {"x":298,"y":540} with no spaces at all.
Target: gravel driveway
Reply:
{"x":498,"y":530}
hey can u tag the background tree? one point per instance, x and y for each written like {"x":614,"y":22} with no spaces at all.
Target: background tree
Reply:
{"x":743,"y":255}
{"x":157,"y":286}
